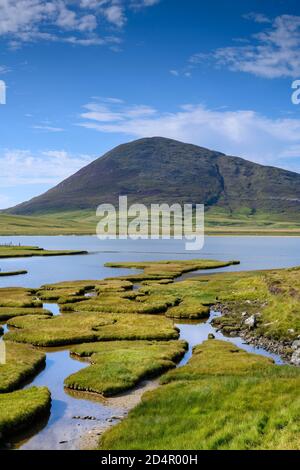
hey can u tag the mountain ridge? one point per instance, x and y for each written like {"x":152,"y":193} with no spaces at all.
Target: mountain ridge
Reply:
{"x":157,"y":170}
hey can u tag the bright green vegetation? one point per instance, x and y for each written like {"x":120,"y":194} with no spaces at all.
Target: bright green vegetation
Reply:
{"x":68,"y":292}
{"x":19,"y":409}
{"x":272,"y":296}
{"x":223,"y":398}
{"x":117,"y":296}
{"x":120,"y":365}
{"x":88,"y":327}
{"x":16,"y":251}
{"x":22,"y":362}
{"x":12,"y":273}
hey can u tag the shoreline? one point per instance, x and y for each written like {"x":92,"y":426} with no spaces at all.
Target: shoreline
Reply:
{"x":281,"y":348}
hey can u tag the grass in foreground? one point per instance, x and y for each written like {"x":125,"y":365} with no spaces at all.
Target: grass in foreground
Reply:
{"x":250,"y":404}
{"x":120,"y":365}
{"x":22,"y":362}
{"x":18,"y":410}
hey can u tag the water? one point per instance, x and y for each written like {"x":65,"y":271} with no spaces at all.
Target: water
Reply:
{"x":61,"y":430}
{"x":196,"y":332}
{"x":253,"y":252}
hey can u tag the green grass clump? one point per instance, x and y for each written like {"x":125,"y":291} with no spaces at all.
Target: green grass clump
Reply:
{"x":222,"y":399}
{"x":22,"y":362}
{"x":87,"y":327}
{"x":159,"y":270}
{"x":120,"y":365}
{"x":18,"y":297}
{"x":19,"y":409}
{"x":9,"y":312}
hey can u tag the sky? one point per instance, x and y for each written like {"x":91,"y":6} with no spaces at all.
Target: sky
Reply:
{"x":83,"y":76}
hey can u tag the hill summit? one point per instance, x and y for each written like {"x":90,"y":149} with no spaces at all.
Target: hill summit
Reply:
{"x":157,"y":170}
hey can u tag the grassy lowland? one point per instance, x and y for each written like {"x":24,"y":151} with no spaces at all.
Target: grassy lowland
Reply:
{"x":224,"y":398}
{"x":117,"y":366}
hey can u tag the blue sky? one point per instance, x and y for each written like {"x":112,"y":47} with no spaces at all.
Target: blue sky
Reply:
{"x":85,"y":75}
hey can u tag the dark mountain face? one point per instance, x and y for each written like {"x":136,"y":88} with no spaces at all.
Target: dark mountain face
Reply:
{"x":157,"y":170}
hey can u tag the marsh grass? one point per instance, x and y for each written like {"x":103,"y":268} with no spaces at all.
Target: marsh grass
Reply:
{"x":222,"y":399}
{"x":9,"y":312}
{"x":83,"y":327}
{"x":120,"y":365}
{"x":22,"y":362}
{"x":19,"y":409}
{"x":18,"y":297}
{"x":11,"y":251}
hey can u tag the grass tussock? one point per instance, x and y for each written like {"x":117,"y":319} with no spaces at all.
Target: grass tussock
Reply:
{"x":18,"y":297}
{"x":88,"y":327}
{"x":20,"y":409}
{"x":9,"y":312}
{"x":22,"y":362}
{"x":117,"y":366}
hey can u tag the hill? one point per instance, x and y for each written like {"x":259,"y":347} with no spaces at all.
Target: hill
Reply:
{"x":156,"y":170}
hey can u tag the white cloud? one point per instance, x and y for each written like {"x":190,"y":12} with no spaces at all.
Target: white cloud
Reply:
{"x":272,"y":53}
{"x":51,"y":20}
{"x":244,"y":133}
{"x":4,"y":69}
{"x":47,"y":128}
{"x":257,"y":17}
{"x":115,"y":15}
{"x":22,"y":167}
{"x":115,"y":111}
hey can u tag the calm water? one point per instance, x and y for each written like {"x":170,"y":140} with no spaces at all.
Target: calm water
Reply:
{"x":253,"y":252}
{"x":62,"y":431}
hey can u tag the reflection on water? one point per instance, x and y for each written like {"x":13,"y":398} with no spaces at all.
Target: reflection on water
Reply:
{"x":53,"y":308}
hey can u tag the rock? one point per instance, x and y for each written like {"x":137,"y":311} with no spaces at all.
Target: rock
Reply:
{"x":295,"y":359}
{"x":244,"y":314}
{"x":251,"y":321}
{"x":291,"y":331}
{"x":211,"y":336}
{"x":296,"y":344}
